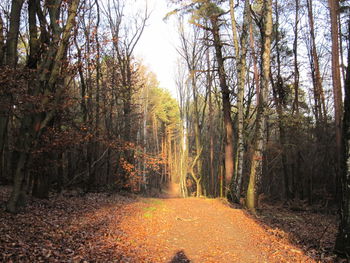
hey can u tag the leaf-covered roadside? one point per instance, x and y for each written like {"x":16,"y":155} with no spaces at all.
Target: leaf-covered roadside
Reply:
{"x":67,"y":228}
{"x":314,"y":232}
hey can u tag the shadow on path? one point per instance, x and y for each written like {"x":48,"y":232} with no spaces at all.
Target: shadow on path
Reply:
{"x":180,"y":257}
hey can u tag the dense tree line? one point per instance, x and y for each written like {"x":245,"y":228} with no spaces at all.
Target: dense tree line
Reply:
{"x":265,"y":79}
{"x":78,"y":109}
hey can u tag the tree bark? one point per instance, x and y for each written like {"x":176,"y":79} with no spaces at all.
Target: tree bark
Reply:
{"x":211,"y":127}
{"x":258,"y":151}
{"x":2,"y":41}
{"x":296,"y":66}
{"x":8,"y":57}
{"x":337,"y":93}
{"x":226,"y":104}
{"x":12,"y":36}
{"x":33,"y":36}
{"x":198,"y":140}
{"x":255,"y":61}
{"x":241,"y":52}
{"x":279,"y":97}
{"x":342,"y":245}
{"x":319,"y":107}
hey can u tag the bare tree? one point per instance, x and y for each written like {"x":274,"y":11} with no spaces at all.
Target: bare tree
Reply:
{"x":191,"y":51}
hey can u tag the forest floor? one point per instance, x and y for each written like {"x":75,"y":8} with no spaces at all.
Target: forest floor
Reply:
{"x":114,"y":228}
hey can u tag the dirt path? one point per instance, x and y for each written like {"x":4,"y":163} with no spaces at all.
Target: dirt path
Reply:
{"x":201,"y":230}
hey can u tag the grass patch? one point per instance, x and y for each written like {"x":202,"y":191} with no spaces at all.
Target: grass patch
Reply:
{"x":148,"y":215}
{"x":154,"y":205}
{"x":153,"y":201}
{"x":149,"y":211}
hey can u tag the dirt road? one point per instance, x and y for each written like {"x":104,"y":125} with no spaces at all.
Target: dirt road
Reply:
{"x":114,"y":228}
{"x":202,"y":230}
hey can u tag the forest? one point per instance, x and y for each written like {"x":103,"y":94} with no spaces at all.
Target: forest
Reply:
{"x":100,"y":163}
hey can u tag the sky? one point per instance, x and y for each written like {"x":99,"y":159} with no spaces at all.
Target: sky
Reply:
{"x":157,"y":45}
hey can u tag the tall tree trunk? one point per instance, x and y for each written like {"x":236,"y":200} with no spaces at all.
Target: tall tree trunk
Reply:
{"x":184,"y":145}
{"x":190,"y":53}
{"x":169,"y":154}
{"x":197,"y":135}
{"x":12,"y":36}
{"x":145,"y":136}
{"x":296,"y":66}
{"x":226,"y":104}
{"x":258,"y":151}
{"x":184,"y":154}
{"x":8,"y":58}
{"x":297,"y":184}
{"x":211,"y":127}
{"x":255,"y":61}
{"x":241,"y":52}
{"x":93,"y":173}
{"x":342,"y":245}
{"x":198,"y":180}
{"x":337,"y":93}
{"x":2,"y":41}
{"x":279,"y":97}
{"x":320,"y":107}
{"x":33,"y":39}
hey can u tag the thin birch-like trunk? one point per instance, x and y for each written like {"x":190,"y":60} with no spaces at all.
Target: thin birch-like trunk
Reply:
{"x":258,"y":151}
{"x":241,"y":52}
